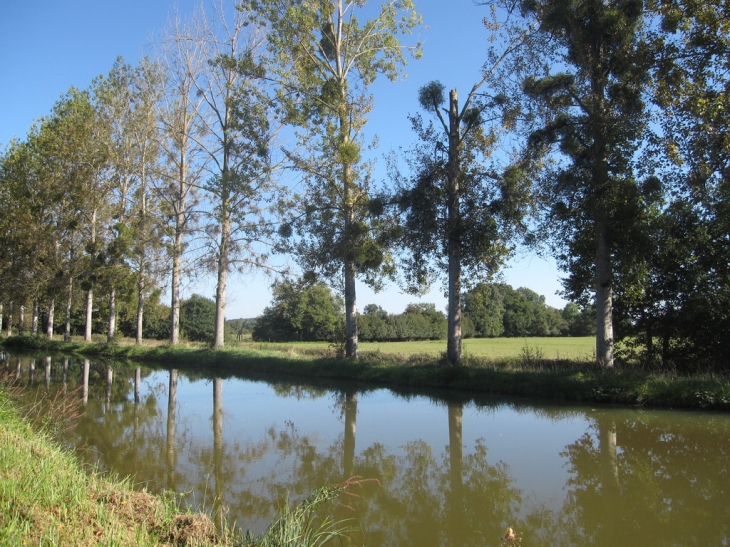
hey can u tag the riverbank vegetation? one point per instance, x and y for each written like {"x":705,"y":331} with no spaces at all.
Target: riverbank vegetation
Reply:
{"x":528,"y":371}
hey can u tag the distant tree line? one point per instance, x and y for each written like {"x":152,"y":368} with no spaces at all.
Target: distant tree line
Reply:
{"x":300,"y":311}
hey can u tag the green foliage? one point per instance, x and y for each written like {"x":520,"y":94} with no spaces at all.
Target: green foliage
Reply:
{"x":499,"y":310}
{"x":197,"y":319}
{"x":417,"y":322}
{"x":300,"y":311}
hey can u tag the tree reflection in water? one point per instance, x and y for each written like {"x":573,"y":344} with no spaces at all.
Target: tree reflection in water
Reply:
{"x":631,"y":477}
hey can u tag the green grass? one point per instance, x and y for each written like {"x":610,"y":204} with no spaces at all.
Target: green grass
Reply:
{"x":47,"y":500}
{"x":580,"y":348}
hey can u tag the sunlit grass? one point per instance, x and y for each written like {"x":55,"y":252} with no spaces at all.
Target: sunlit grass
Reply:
{"x":573,"y":348}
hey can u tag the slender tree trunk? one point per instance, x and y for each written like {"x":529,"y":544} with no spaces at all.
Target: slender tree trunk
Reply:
{"x":10,"y":320}
{"x":350,"y":271}
{"x":34,"y":319}
{"x":175,"y":290}
{"x":176,"y":266}
{"x":453,"y":344}
{"x":649,"y":341}
{"x":1,"y":317}
{"x":89,"y":314}
{"x":351,"y":334}
{"x":21,"y":320}
{"x":140,"y":308}
{"x":90,"y":292}
{"x":220,"y":291}
{"x":69,"y":301}
{"x":142,"y":258}
{"x":51,"y":314}
{"x":604,"y":295}
{"x":112,"y":315}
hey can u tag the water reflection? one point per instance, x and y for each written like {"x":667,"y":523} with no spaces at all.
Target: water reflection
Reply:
{"x":449,"y":472}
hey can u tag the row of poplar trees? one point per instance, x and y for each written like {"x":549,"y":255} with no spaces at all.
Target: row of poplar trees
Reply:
{"x":597,"y":130}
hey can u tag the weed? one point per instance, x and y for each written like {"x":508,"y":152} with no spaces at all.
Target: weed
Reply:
{"x":531,"y":358}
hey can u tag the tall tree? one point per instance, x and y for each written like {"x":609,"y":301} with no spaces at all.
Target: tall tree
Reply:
{"x":181,"y":135}
{"x":593,"y":119}
{"x":461,"y":212}
{"x":148,"y":87}
{"x":236,"y":116}
{"x":324,"y":60}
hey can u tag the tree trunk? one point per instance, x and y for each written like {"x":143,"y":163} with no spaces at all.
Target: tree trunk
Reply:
{"x":351,"y":334}
{"x":34,"y":319}
{"x":112,"y":315}
{"x":140,"y":304}
{"x":220,"y":291}
{"x":142,"y":258}
{"x":90,"y":292}
{"x":10,"y":320}
{"x":453,"y":344}
{"x":1,"y":317}
{"x":69,"y":301}
{"x":89,"y":314}
{"x":51,"y":313}
{"x":176,"y":266}
{"x":604,"y":295}
{"x":175,"y":290}
{"x":21,"y":320}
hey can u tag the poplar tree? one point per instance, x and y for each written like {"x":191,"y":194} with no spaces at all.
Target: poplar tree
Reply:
{"x":237,"y":124}
{"x":181,"y":135}
{"x":324,"y":59}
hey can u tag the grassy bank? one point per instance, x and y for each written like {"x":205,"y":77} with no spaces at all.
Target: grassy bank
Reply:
{"x":531,"y":373}
{"x":47,"y":500}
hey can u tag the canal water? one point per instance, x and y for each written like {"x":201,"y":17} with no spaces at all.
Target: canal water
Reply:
{"x":435,"y":470}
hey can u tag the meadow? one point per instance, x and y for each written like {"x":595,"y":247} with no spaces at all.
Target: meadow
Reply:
{"x":549,"y":348}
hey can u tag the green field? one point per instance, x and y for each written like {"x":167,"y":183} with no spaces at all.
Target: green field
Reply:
{"x":492,"y":348}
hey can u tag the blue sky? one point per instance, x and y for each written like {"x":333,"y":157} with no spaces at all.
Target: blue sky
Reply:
{"x":50,"y":45}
